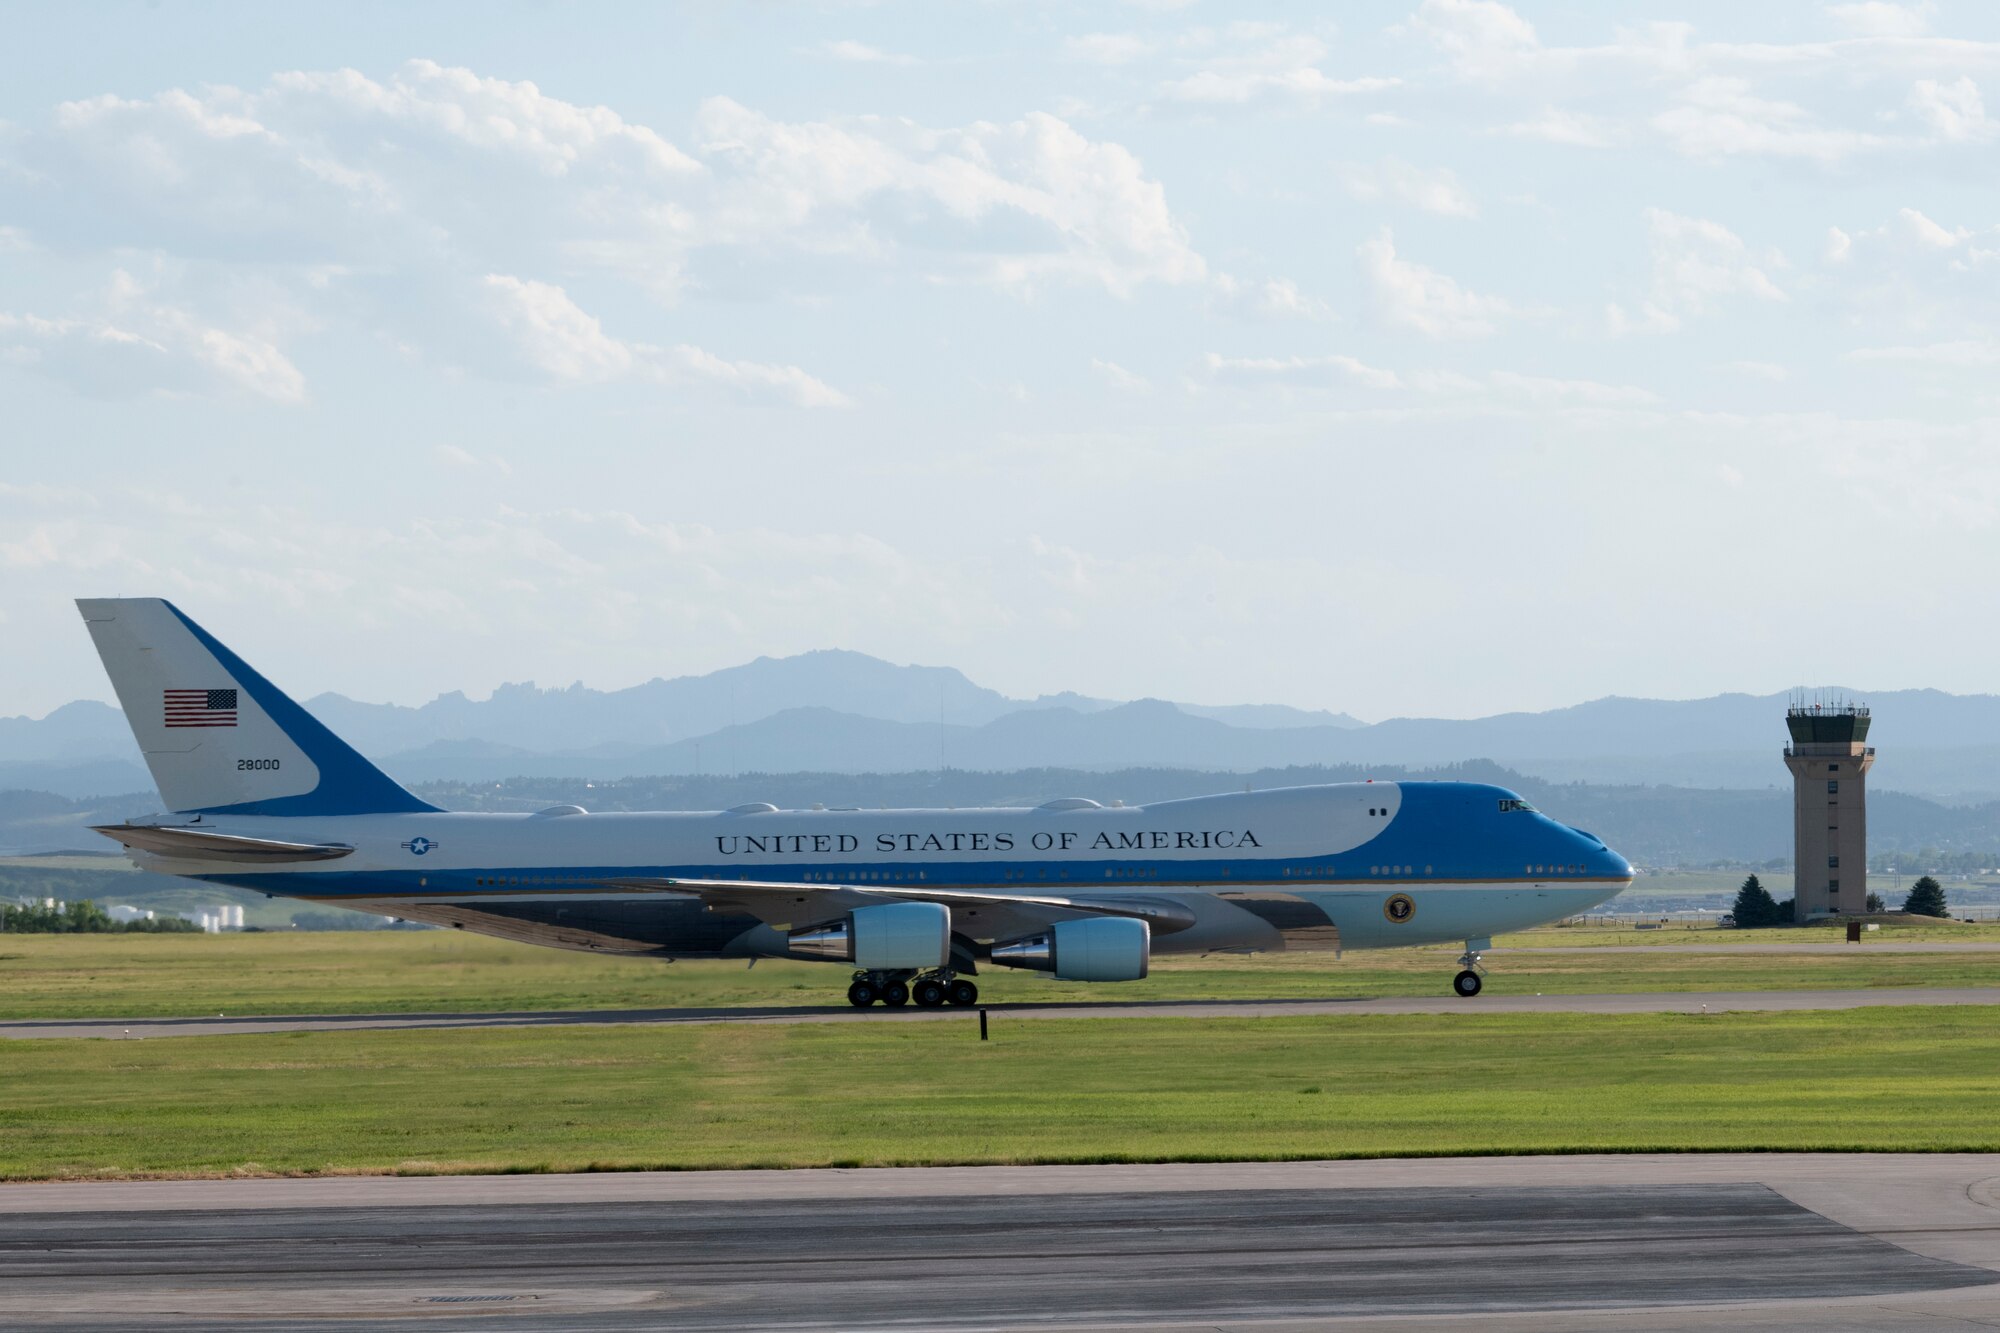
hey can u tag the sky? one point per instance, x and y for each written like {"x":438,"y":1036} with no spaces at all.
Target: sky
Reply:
{"x":1441,"y":357}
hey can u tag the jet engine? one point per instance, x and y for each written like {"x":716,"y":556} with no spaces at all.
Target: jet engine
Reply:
{"x":1098,"y":948}
{"x":891,"y":936}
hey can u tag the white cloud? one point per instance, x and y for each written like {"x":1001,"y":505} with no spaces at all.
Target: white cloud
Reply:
{"x":1120,"y":378}
{"x":1928,"y":233}
{"x":1435,"y":191}
{"x":555,"y":336}
{"x":1954,"y":111}
{"x":1095,"y":215}
{"x":860,"y":53}
{"x":1274,"y":299}
{"x":1108,"y":48}
{"x":1410,"y":296}
{"x":1723,"y":117}
{"x":749,"y":378}
{"x":1496,"y":387}
{"x":1572,"y":393}
{"x":1310,"y":371}
{"x":1558,"y":125}
{"x":1963,"y":353}
{"x":1696,"y":266}
{"x":1284,"y":68}
{"x":1760,"y":370}
{"x":453,"y":455}
{"x":1878,"y":18}
{"x":1712,"y":99}
{"x":557,"y":339}
{"x":406,"y":205}
{"x":1481,"y":38}
{"x":514,"y":119}
{"x":1930,"y":281}
{"x":133,"y":344}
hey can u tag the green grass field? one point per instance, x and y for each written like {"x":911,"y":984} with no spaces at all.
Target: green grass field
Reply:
{"x":595,"y":1097}
{"x":70,"y":976}
{"x":1890,"y":931}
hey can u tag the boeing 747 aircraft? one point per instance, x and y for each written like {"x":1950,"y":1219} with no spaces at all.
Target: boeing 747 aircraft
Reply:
{"x":914,"y":902}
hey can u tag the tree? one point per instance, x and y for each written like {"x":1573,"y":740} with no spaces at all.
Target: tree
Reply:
{"x":1926,"y":899}
{"x":1754,"y":906}
{"x":1874,"y":903}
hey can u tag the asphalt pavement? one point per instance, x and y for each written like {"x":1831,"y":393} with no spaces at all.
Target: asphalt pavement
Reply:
{"x":1643,"y":1002}
{"x":1563,"y":1243}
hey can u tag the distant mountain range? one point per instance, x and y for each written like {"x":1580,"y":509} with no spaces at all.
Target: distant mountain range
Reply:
{"x":845,"y":712}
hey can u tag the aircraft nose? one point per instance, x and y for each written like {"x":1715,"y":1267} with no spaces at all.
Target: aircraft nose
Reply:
{"x":1607,"y":864}
{"x":1598,"y":858}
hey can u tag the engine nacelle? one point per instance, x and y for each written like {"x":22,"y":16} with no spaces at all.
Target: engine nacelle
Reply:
{"x":1097,"y":948}
{"x":889,"y":937}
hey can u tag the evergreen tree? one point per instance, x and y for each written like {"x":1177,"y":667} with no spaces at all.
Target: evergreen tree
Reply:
{"x":1754,"y":906}
{"x":1874,"y":903}
{"x":1926,"y":899}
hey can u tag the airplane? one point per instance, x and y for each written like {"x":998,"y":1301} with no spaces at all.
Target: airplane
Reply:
{"x":264,"y":797}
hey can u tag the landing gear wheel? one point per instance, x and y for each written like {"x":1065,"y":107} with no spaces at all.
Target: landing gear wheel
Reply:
{"x":928,"y":993}
{"x":861,"y":994}
{"x":963,"y":994}
{"x":1467,"y":983}
{"x":894,"y":994}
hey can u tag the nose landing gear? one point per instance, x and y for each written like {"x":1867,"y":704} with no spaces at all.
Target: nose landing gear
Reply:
{"x":1470,"y":979}
{"x":931,"y":990}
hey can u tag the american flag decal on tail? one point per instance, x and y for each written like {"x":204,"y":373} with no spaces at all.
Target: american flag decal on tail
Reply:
{"x":201,"y":708}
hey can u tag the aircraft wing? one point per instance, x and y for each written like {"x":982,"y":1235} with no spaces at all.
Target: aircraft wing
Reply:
{"x":203,"y":845}
{"x":787,"y":905}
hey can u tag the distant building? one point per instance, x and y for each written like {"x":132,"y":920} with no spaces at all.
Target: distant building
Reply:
{"x":1829,"y":764}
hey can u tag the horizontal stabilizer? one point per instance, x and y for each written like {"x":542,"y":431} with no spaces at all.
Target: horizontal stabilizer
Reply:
{"x":202,"y":845}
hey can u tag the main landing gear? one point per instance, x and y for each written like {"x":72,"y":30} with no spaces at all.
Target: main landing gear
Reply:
{"x":1469,"y":982}
{"x":931,"y":990}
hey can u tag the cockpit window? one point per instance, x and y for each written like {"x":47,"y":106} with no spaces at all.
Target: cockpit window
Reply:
{"x":1509,"y":804}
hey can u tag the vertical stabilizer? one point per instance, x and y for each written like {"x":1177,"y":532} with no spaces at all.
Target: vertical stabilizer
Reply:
{"x":218,"y":737}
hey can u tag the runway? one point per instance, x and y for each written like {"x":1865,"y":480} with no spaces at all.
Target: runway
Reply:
{"x":1649,"y":1002}
{"x":1501,"y":1244}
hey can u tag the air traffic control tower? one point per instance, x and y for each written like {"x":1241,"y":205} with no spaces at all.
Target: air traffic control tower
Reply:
{"x":1829,"y":763}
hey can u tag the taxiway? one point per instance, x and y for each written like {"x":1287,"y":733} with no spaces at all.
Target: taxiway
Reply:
{"x":1655,"y":1002}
